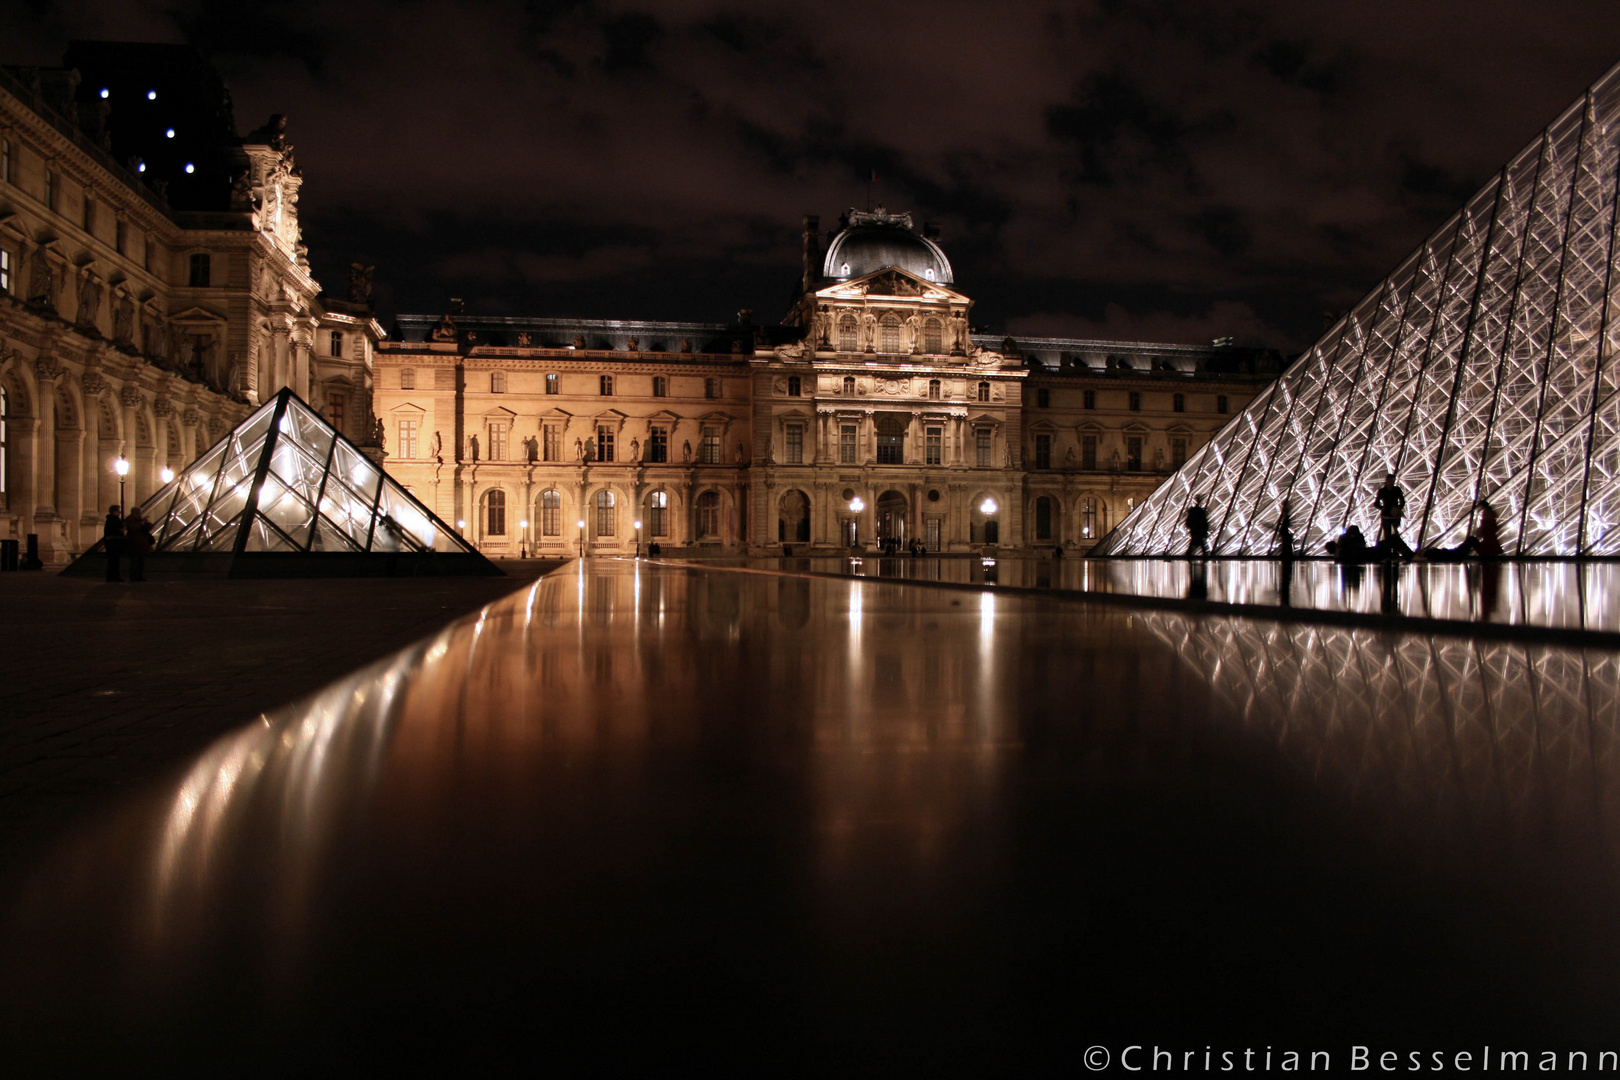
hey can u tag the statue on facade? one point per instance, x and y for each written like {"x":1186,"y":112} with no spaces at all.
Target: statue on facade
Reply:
{"x":124,"y":322}
{"x":273,"y":134}
{"x":445,"y":330}
{"x":579,"y":450}
{"x":1068,"y":458}
{"x":379,"y":434}
{"x":1158,"y":459}
{"x":531,"y":449}
{"x":686,"y":451}
{"x":524,"y":339}
{"x":1113,"y":460}
{"x":472,"y":447}
{"x":41,"y":286}
{"x":360,"y":283}
{"x":739,"y":455}
{"x":686,"y":344}
{"x":635,"y":449}
{"x":89,"y":302}
{"x":633,"y":344}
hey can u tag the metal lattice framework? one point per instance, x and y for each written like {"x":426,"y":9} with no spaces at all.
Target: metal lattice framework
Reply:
{"x":285,"y":480}
{"x":1483,"y":368}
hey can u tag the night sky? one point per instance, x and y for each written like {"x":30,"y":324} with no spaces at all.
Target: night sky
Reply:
{"x":1168,"y":171}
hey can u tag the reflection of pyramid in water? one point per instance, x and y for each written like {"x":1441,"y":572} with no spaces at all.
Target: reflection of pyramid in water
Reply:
{"x":1485,"y":368}
{"x":284,"y":482}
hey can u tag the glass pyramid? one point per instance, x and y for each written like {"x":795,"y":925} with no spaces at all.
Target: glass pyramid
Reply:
{"x":1484,"y":368}
{"x":284,"y":480}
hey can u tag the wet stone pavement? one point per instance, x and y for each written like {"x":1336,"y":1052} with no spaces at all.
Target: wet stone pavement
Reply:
{"x":649,"y":815}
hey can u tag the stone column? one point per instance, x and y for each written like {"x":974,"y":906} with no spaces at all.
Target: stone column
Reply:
{"x":23,"y":435}
{"x":45,"y":444}
{"x":69,"y":477}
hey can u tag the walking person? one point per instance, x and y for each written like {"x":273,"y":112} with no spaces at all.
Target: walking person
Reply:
{"x":1391,"y":504}
{"x":112,"y":539}
{"x":138,"y":541}
{"x":1197,"y":522}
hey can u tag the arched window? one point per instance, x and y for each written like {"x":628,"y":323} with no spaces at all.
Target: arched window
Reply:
{"x":709,"y":515}
{"x":1090,"y":518}
{"x":604,"y":513}
{"x":495,"y":511}
{"x":891,"y":333}
{"x":849,"y":384}
{"x":407,"y":378}
{"x":933,"y":389}
{"x":984,"y":391}
{"x":551,"y":513}
{"x":933,"y":336}
{"x":1043,"y":518}
{"x":657,"y":510}
{"x":849,"y":338}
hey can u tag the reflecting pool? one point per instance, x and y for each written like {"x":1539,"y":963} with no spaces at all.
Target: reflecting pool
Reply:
{"x":644,"y":813}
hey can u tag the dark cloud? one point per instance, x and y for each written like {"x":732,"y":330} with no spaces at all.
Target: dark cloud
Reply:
{"x":1147,"y":168}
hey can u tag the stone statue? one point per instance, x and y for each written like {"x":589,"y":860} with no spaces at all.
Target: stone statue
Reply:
{"x":273,"y":134}
{"x":1068,"y":458}
{"x":124,"y":322}
{"x":739,"y":454}
{"x":590,"y":450}
{"x":634,"y":342}
{"x":579,"y":342}
{"x":242,"y":191}
{"x":208,"y":360}
{"x":436,"y":447}
{"x":446,"y":330}
{"x":579,"y":450}
{"x":379,"y":434}
{"x":686,"y":451}
{"x":89,"y":302}
{"x":525,"y":339}
{"x":1113,"y":460}
{"x":472,"y":447}
{"x":1158,"y":459}
{"x":686,"y":344}
{"x":360,"y":283}
{"x":531,"y":449}
{"x":635,"y":449}
{"x":41,"y":286}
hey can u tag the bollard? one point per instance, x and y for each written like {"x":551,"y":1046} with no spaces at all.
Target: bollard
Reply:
{"x":8,"y":555}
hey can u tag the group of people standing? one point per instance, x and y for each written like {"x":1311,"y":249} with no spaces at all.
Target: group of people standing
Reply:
{"x":1351,"y":546}
{"x":126,"y":536}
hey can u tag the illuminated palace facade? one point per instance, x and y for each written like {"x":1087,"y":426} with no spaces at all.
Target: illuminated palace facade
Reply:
{"x":872,"y":411}
{"x":153,"y":286}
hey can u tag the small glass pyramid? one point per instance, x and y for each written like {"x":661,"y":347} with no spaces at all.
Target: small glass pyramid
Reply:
{"x":284,"y":480}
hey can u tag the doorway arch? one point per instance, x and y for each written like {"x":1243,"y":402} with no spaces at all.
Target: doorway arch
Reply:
{"x":793,"y":518}
{"x":891,"y":517}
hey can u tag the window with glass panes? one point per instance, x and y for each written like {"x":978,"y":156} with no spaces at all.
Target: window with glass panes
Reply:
{"x":658,"y":444}
{"x":495,"y":505}
{"x":407,"y":379}
{"x":849,"y":338}
{"x":407,"y":437}
{"x":794,"y":386}
{"x":710,"y":453}
{"x":981,"y":440}
{"x":1043,"y":450}
{"x":891,"y":439}
{"x":1178,"y":403}
{"x":709,"y":514}
{"x":1136,"y":401}
{"x":1178,"y":452}
{"x":497,"y":382}
{"x":846,"y":444}
{"x":1220,"y":403}
{"x":1088,"y":518}
{"x":660,"y":386}
{"x":795,"y":443}
{"x":606,"y":385}
{"x":1133,"y":453}
{"x":497,"y":440}
{"x":334,"y":410}
{"x":933,"y":445}
{"x":1043,"y":398}
{"x":5,"y":160}
{"x":711,"y":387}
{"x":933,"y":336}
{"x":336,"y":342}
{"x":5,"y":270}
{"x":1088,"y":399}
{"x":1088,"y":451}
{"x":604,"y":513}
{"x":933,"y":389}
{"x":551,"y":513}
{"x":550,"y":443}
{"x":984,"y":391}
{"x":657,"y":504}
{"x":604,"y":443}
{"x":891,"y":334}
{"x":553,"y":383}
{"x":201,"y":271}
{"x":849,"y":384}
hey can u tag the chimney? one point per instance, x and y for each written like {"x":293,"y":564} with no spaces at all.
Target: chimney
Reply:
{"x":931,"y":230}
{"x":812,"y":251}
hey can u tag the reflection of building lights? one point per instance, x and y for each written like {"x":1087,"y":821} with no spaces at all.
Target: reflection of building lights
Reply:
{"x":988,"y":507}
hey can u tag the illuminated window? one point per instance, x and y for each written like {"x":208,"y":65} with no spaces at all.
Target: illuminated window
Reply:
{"x":604,"y":443}
{"x":497,"y":440}
{"x":846,"y":444}
{"x":891,"y":434}
{"x":709,"y":515}
{"x":407,"y":437}
{"x":933,"y":389}
{"x":1088,"y":517}
{"x":981,"y":441}
{"x":795,"y":444}
{"x":1088,"y":451}
{"x":552,"y":383}
{"x":660,"y":386}
{"x":793,"y":386}
{"x":1089,"y":399}
{"x":551,"y":513}
{"x":604,"y":513}
{"x":497,"y":382}
{"x":933,"y":336}
{"x":1179,"y":403}
{"x":5,"y":270}
{"x":657,"y":505}
{"x":891,"y":333}
{"x":607,"y":385}
{"x":551,"y":443}
{"x":934,"y":440}
{"x":1043,"y":398}
{"x":1136,"y":401}
{"x":710,"y":452}
{"x":1220,"y":403}
{"x":334,"y":410}
{"x":849,"y":336}
{"x":407,"y":379}
{"x":658,"y":444}
{"x":495,"y":510}
{"x":1133,"y":453}
{"x":849,"y":384}
{"x":1043,"y":450}
{"x":201,"y":270}
{"x":984,"y":391}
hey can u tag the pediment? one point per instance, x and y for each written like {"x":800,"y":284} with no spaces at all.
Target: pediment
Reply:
{"x":891,"y":281}
{"x":556,"y":414}
{"x":500,"y":412}
{"x":416,"y":410}
{"x":985,"y":418}
{"x":196,"y":315}
{"x":663,"y":415}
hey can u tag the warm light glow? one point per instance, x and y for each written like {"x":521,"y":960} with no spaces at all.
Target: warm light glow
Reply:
{"x":988,"y":507}
{"x":166,"y":474}
{"x":857,"y":504}
{"x":524,"y":524}
{"x":461,"y":523}
{"x":580,"y":523}
{"x":121,"y":467}
{"x":637,"y":523}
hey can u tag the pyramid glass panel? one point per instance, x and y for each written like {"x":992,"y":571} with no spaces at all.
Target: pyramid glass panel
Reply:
{"x":1482,"y":372}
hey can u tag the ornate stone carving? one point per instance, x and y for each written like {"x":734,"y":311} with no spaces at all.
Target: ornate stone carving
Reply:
{"x":446,"y":330}
{"x":41,"y":279}
{"x":360,"y":283}
{"x":124,"y":322}
{"x":47,"y":367}
{"x":89,"y":302}
{"x":633,"y":344}
{"x":525,"y":339}
{"x":163,"y":407}
{"x":190,"y":418}
{"x":130,"y":396}
{"x":93,"y":383}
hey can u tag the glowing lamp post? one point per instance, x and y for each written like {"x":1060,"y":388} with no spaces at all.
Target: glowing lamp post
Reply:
{"x":988,"y":508}
{"x":856,"y":505}
{"x":166,"y":474}
{"x":121,"y":467}
{"x":581,"y":524}
{"x":523,"y":539}
{"x":637,"y":524}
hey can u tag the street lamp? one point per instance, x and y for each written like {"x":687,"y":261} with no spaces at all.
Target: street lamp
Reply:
{"x":581,"y":524}
{"x":637,"y":524}
{"x":856,"y":505}
{"x":988,"y":507}
{"x":523,"y":539}
{"x":166,"y":474}
{"x":121,"y":467}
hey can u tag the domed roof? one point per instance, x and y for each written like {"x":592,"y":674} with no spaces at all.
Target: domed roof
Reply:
{"x":872,"y":239}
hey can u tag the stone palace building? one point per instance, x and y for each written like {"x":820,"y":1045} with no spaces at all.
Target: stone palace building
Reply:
{"x":153,"y":285}
{"x":872,"y":411}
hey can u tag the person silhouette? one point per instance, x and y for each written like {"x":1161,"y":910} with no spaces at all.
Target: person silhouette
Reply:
{"x":1391,"y":504}
{"x":1197,"y":522}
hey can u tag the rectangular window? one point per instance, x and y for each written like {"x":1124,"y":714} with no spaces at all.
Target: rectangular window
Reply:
{"x":334,"y":410}
{"x":846,"y":444}
{"x":407,"y":438}
{"x":201,"y":270}
{"x":337,"y":343}
{"x":496,"y":506}
{"x":1043,"y":450}
{"x":50,"y":189}
{"x":552,"y":381}
{"x":660,"y":386}
{"x":1133,"y":454}
{"x":1043,"y":398}
{"x":658,"y":445}
{"x":551,"y":513}
{"x":1178,"y":453}
{"x":1179,"y":403}
{"x":604,"y":443}
{"x":1220,"y":403}
{"x":934,"y":441}
{"x":5,"y":160}
{"x":933,"y":389}
{"x":1136,"y":401}
{"x":497,"y":440}
{"x":981,"y":440}
{"x":931,"y":531}
{"x":551,"y":442}
{"x":794,"y":386}
{"x":890,"y":447}
{"x":711,"y":446}
{"x":5,"y":270}
{"x":1089,"y":399}
{"x":407,"y":379}
{"x":795,"y":444}
{"x":607,"y":385}
{"x":656,"y":503}
{"x":497,"y":382}
{"x":711,"y":388}
{"x":1088,"y":451}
